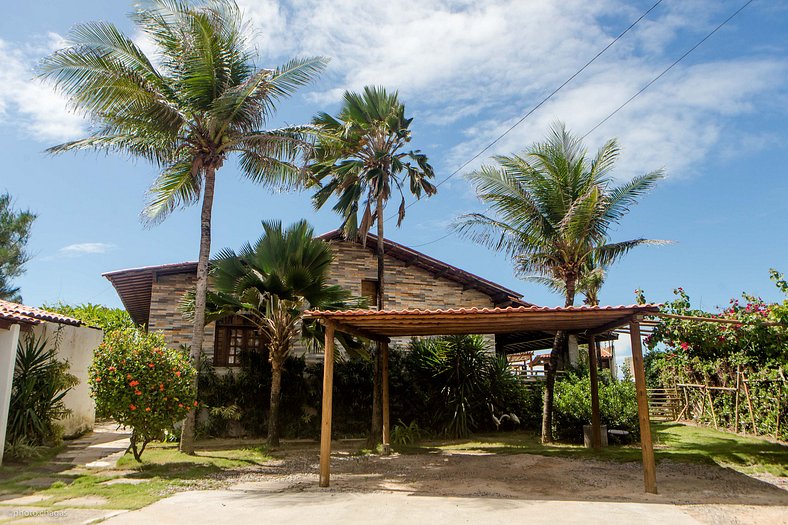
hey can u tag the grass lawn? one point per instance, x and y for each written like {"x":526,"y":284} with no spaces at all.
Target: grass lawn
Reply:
{"x":672,"y":441}
{"x":131,"y":485}
{"x":164,"y":470}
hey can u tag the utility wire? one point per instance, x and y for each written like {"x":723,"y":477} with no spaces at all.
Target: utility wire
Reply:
{"x":682,"y":57}
{"x":541,"y":103}
{"x":633,"y":97}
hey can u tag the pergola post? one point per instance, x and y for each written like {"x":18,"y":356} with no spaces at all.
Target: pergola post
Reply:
{"x":596,"y":424}
{"x":384,"y":351}
{"x":649,"y":467}
{"x":328,"y":387}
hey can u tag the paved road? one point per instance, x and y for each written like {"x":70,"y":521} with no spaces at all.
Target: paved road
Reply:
{"x":240,"y":507}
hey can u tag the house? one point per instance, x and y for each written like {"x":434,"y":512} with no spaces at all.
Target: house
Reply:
{"x":74,"y":343}
{"x":414,"y":280}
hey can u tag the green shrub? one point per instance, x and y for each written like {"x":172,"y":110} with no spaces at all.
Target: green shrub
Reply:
{"x":142,"y":384}
{"x":40,"y":383}
{"x":617,"y":405}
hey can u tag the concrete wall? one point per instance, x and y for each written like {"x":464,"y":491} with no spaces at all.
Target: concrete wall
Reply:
{"x":8,"y":341}
{"x":75,"y":344}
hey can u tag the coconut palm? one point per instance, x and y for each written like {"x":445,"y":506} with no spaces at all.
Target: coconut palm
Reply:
{"x":550,"y":210}
{"x":361,"y":158}
{"x":187,"y":109}
{"x":271,"y":283}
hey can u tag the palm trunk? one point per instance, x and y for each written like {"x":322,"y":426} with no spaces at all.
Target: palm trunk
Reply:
{"x":198,"y":333}
{"x":555,"y":363}
{"x":377,"y":393}
{"x":273,"y":412}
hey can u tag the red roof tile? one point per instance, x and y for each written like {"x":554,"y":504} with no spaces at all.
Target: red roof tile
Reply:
{"x":19,"y":313}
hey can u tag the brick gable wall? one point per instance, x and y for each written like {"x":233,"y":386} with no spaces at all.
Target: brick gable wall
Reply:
{"x":406,"y":287}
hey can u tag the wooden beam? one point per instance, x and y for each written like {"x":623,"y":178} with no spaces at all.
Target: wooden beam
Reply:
{"x":596,"y":424}
{"x":646,"y":446}
{"x":328,"y":387}
{"x":607,"y":327}
{"x":710,"y":319}
{"x":384,"y":351}
{"x":359,"y":332}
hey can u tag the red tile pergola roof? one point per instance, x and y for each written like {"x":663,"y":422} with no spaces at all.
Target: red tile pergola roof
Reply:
{"x":15,"y":313}
{"x":377,"y":324}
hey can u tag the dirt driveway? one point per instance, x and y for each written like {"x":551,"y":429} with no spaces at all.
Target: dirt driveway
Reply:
{"x":471,"y":487}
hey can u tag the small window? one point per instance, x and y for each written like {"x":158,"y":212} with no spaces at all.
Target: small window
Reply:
{"x":369,"y":290}
{"x":235,"y":335}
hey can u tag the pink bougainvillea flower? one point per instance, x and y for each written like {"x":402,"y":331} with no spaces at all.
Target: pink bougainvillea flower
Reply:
{"x":684,"y":345}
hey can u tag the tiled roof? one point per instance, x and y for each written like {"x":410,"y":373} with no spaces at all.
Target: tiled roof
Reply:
{"x":134,"y":284}
{"x":396,"y":323}
{"x":19,"y":313}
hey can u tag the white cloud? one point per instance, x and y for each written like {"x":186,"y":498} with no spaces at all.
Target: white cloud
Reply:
{"x":29,"y":103}
{"x":481,"y":65}
{"x":85,"y":248}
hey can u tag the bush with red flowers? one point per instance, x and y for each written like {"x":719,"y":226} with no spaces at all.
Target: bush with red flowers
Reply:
{"x":140,"y":383}
{"x":751,"y":353}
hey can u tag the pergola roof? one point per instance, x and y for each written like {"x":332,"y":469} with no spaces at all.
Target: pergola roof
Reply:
{"x":377,"y":324}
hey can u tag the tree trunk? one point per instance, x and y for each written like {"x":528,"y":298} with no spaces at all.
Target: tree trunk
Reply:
{"x":555,"y":362}
{"x":198,"y":333}
{"x":273,"y":412}
{"x":377,"y":393}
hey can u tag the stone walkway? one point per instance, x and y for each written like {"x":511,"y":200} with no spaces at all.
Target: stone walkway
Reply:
{"x":94,"y":451}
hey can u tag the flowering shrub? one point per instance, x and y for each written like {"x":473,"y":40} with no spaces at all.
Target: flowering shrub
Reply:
{"x":726,"y":355}
{"x":141,"y":384}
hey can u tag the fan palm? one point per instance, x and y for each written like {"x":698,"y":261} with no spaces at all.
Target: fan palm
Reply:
{"x":271,"y":283}
{"x":187,"y":109}
{"x":361,"y":158}
{"x":550,"y":210}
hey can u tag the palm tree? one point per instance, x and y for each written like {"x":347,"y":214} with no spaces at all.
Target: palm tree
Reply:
{"x":550,"y":210}
{"x":361,"y":155}
{"x":187,"y":109}
{"x":271,"y":284}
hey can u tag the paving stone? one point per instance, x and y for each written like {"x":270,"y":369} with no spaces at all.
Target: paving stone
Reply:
{"x":25,"y":500}
{"x":40,"y":483}
{"x":124,"y":481}
{"x":83,"y":501}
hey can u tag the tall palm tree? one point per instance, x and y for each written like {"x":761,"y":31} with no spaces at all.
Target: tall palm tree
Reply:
{"x":550,"y":210}
{"x":186,"y":109}
{"x":271,"y":283}
{"x":361,"y":157}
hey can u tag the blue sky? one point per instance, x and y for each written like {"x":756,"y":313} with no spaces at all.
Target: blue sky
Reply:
{"x":466,"y":71}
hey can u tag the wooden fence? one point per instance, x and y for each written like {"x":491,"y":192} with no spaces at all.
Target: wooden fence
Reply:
{"x":664,"y":404}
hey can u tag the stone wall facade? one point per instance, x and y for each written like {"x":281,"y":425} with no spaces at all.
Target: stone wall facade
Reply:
{"x":405,"y":287}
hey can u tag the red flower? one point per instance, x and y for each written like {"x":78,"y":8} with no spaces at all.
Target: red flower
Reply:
{"x":178,"y":373}
{"x":111,"y":369}
{"x":128,"y":376}
{"x":132,"y":407}
{"x":161,"y":387}
{"x":134,"y":383}
{"x":684,"y":345}
{"x":147,"y":409}
{"x":138,"y":392}
{"x":195,"y":403}
{"x":98,"y":379}
{"x":180,"y":405}
{"x":150,"y":365}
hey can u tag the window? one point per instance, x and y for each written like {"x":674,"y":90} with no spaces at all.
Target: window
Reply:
{"x":369,"y":290}
{"x":234,"y":335}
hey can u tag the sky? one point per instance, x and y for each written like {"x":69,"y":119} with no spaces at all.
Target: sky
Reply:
{"x":466,"y":71}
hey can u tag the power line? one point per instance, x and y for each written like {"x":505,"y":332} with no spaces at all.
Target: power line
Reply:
{"x":633,"y":97}
{"x":541,"y":103}
{"x":682,"y":57}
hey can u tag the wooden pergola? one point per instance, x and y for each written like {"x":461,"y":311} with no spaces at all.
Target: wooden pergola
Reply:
{"x":588,"y":321}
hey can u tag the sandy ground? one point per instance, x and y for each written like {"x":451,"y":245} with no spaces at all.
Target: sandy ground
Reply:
{"x":472,"y":487}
